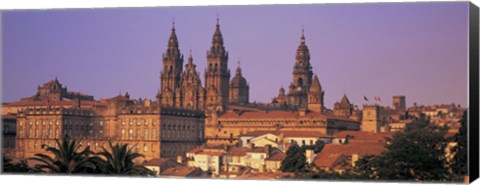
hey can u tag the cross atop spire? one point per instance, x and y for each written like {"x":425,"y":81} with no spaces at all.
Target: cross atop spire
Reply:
{"x":302,"y":39}
{"x":238,"y":72}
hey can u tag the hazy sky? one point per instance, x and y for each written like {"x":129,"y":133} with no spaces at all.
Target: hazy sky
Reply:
{"x":414,"y":49}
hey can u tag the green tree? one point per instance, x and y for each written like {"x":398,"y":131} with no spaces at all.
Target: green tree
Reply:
{"x":415,"y":154}
{"x":67,"y":158}
{"x":119,"y":160}
{"x":21,"y":166}
{"x":459,"y":162}
{"x":295,"y":160}
{"x":318,"y":146}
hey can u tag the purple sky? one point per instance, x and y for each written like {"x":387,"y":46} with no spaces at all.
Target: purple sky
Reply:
{"x":414,"y":49}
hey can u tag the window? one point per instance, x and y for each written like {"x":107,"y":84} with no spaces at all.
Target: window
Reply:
{"x":56,"y":133}
{"x":145,"y":148}
{"x":130,"y":133}
{"x":146,"y":133}
{"x":101,"y":123}
{"x":123,"y":122}
{"x":123,"y":133}
{"x":303,"y":142}
{"x":154,"y":133}
{"x":35,"y":145}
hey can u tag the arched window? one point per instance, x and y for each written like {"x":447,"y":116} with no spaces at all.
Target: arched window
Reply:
{"x":300,"y":81}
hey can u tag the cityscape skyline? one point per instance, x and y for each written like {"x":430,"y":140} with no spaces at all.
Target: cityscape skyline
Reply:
{"x":72,"y":58}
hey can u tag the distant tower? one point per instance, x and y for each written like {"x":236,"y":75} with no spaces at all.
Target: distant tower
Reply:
{"x":170,"y":74}
{"x":302,"y":76}
{"x":315,"y":96}
{"x":343,"y":108}
{"x":192,"y":91}
{"x":238,"y":88}
{"x":398,"y":103}
{"x":217,"y":75}
{"x":371,"y":118}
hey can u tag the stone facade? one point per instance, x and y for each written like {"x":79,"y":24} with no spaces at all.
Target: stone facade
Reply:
{"x":145,"y":128}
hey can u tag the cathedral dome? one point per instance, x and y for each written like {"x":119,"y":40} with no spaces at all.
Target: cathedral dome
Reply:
{"x":238,"y":79}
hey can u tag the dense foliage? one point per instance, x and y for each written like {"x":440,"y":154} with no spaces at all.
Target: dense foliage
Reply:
{"x":295,"y":160}
{"x":459,"y":162}
{"x":119,"y":159}
{"x":68,"y":157}
{"x":21,"y":166}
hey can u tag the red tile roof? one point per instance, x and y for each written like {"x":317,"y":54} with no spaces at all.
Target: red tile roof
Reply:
{"x":271,"y":115}
{"x":279,"y":156}
{"x":333,"y":152}
{"x":315,"y":134}
{"x":361,"y":136}
{"x":52,"y":103}
{"x":179,"y":171}
{"x":158,"y":161}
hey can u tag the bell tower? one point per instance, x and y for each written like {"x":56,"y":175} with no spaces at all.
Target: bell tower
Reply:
{"x":302,"y":76}
{"x":171,"y":72}
{"x":217,"y":74}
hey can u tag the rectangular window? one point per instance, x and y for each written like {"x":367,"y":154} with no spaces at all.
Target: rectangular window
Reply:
{"x":130,"y":133}
{"x":146,"y":133}
{"x":154,"y":134}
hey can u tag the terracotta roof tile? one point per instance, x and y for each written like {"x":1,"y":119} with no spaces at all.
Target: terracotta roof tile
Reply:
{"x":332,"y":152}
{"x":158,"y":161}
{"x":364,"y":136}
{"x":179,"y":171}
{"x":279,"y":156}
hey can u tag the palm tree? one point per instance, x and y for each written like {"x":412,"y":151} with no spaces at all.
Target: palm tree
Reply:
{"x":119,"y":160}
{"x":67,"y":158}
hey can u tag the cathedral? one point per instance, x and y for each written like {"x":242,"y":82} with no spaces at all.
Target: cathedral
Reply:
{"x":225,"y":100}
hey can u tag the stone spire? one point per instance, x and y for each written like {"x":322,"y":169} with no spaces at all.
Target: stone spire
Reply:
{"x":303,"y":54}
{"x":173,"y":50}
{"x":171,"y":72}
{"x":217,"y":74}
{"x":217,"y":49}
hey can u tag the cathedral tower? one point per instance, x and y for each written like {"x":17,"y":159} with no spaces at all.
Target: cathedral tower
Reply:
{"x":302,"y":76}
{"x":170,"y":74}
{"x":238,"y":88}
{"x":217,"y":75}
